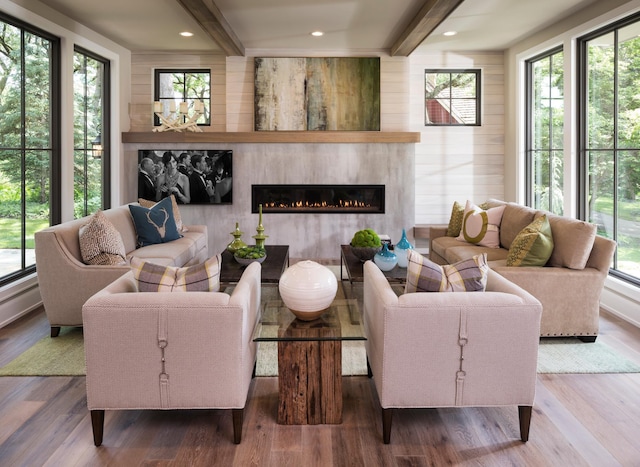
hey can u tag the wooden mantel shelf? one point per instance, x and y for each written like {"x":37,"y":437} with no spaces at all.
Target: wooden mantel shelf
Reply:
{"x":273,"y":137}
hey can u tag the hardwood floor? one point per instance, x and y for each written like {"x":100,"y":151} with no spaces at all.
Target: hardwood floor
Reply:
{"x":578,"y":420}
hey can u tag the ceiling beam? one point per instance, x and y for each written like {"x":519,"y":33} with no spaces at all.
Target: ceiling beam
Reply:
{"x":432,"y":13}
{"x":211,"y":19}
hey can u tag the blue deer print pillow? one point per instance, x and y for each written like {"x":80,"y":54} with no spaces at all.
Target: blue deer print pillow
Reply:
{"x":155,"y":224}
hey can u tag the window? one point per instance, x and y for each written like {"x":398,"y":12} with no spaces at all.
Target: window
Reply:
{"x":452,"y":97}
{"x":29,"y":142}
{"x":609,"y":139}
{"x":90,"y":133}
{"x":545,"y":130}
{"x":175,"y":86}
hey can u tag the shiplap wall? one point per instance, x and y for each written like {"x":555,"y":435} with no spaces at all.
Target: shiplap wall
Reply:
{"x":452,"y":163}
{"x":142,"y":68}
{"x":458,"y":163}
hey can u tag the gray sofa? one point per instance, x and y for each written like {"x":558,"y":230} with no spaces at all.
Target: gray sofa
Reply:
{"x":66,"y":282}
{"x":569,"y":286}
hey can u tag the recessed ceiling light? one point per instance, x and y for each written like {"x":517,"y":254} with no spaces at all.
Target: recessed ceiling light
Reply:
{"x":186,"y":34}
{"x":317,"y":33}
{"x":449,"y":33}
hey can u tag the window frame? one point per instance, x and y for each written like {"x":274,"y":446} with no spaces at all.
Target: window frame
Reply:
{"x":55,"y":163}
{"x":105,"y":133}
{"x":582,"y":108}
{"x":478,"y":99}
{"x":156,"y":89}
{"x":529,"y":197}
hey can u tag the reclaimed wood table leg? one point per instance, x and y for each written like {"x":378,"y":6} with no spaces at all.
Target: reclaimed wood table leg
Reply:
{"x":310,"y":382}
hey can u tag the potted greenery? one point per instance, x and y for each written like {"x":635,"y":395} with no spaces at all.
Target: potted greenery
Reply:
{"x":365,"y":244}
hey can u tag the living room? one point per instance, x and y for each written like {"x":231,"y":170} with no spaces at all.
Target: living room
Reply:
{"x":446,"y":165}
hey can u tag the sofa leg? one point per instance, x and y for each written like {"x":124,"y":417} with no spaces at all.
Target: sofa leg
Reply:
{"x":387,"y":415}
{"x":97,"y":423}
{"x":524,"y":414}
{"x":237,"y":415}
{"x":55,"y":331}
{"x":369,"y":372}
{"x":587,"y":339}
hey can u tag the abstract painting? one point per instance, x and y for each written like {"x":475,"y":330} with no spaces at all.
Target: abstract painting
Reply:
{"x":308,"y":94}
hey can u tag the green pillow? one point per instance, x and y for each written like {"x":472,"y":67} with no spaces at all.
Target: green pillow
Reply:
{"x":533,"y":245}
{"x":455,"y":221}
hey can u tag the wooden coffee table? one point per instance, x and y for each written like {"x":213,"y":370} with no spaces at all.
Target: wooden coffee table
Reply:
{"x":355,"y":272}
{"x":272,"y":267}
{"x":310,"y":359}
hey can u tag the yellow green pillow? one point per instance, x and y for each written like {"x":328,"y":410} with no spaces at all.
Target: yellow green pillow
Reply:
{"x":533,"y":245}
{"x":455,"y":221}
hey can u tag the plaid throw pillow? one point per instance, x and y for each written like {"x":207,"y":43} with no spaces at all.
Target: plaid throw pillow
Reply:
{"x":203,"y":277}
{"x":469,"y":275}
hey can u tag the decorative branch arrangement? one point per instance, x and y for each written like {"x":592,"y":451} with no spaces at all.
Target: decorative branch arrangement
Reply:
{"x":179,"y":120}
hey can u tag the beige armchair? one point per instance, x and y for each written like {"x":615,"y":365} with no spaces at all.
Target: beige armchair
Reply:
{"x":451,"y":349}
{"x":175,"y":350}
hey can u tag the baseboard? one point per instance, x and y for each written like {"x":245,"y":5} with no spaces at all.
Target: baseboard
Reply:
{"x":622,"y":300}
{"x":18,"y":299}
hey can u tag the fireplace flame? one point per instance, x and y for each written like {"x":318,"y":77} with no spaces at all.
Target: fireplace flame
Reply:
{"x":306,"y":204}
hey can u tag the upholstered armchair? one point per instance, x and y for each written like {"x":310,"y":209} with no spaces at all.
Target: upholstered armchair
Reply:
{"x":170,"y":350}
{"x":456,"y":349}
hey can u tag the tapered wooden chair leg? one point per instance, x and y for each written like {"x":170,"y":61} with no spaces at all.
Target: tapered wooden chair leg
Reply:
{"x":524,"y":413}
{"x":97,"y":423}
{"x":237,"y":415}
{"x":387,"y":415}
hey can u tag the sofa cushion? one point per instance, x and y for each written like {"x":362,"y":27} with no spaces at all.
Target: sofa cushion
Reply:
{"x":156,"y":224}
{"x":203,"y":277}
{"x":100,"y":242}
{"x":514,"y":219}
{"x":423,"y":275}
{"x":469,"y":250}
{"x":145,"y":203}
{"x":533,"y":245}
{"x":481,"y":227}
{"x":573,"y":240}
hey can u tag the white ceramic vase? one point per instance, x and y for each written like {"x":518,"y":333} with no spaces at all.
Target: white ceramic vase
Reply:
{"x":307,"y":289}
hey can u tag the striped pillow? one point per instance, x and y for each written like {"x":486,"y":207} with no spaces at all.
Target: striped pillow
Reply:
{"x":203,"y":277}
{"x":469,"y":275}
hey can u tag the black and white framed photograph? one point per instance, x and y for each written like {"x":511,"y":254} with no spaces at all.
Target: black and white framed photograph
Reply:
{"x":192,"y":176}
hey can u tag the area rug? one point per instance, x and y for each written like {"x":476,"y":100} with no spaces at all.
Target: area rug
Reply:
{"x":59,"y":356}
{"x":558,"y":355}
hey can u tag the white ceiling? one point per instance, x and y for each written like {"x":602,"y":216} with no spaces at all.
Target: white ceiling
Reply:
{"x":350,"y":26}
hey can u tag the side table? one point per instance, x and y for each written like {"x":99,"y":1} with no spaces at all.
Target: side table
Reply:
{"x":310,"y":359}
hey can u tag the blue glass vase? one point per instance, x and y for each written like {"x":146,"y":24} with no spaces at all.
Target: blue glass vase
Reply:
{"x":402,"y":249}
{"x":385,"y":259}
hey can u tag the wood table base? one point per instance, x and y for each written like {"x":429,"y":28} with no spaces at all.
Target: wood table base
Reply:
{"x":310,"y":382}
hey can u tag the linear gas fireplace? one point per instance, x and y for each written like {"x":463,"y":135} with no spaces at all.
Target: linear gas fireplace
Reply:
{"x":326,"y":199}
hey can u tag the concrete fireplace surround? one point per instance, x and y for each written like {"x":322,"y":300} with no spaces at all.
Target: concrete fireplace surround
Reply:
{"x":310,"y":236}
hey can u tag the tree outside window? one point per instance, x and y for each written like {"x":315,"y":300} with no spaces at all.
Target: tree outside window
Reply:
{"x":452,"y":97}
{"x":175,"y":86}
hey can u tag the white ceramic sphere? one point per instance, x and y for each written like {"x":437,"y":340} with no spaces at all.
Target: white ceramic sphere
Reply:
{"x":307,"y":289}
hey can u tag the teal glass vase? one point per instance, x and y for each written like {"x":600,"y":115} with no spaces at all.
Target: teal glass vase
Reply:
{"x":402,"y":250}
{"x":385,"y":259}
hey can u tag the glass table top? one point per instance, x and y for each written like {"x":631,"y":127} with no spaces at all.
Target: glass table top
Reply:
{"x":341,"y":321}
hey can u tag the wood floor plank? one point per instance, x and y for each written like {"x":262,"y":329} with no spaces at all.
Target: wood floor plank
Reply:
{"x":578,"y":420}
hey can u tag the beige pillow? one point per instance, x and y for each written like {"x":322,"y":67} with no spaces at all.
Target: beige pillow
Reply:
{"x":145,"y":203}
{"x":100,"y":242}
{"x":573,"y":241}
{"x":203,"y":277}
{"x":481,"y":227}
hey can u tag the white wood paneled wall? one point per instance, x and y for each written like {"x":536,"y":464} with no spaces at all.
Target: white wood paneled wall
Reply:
{"x":452,"y":163}
{"x":458,"y":163}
